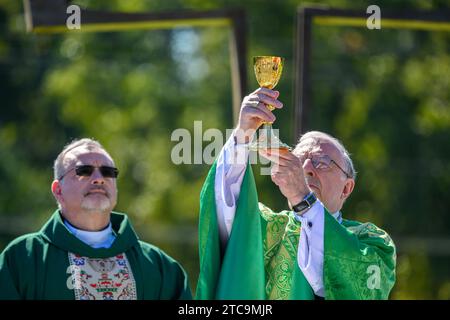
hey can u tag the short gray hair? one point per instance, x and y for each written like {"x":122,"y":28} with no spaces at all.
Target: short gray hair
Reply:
{"x":317,"y":137}
{"x":59,"y":166}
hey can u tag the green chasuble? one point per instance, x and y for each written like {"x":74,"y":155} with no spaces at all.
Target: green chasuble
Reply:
{"x":40,"y":266}
{"x":260,"y":259}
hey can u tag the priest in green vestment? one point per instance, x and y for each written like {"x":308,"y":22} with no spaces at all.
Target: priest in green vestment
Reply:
{"x":86,"y":251}
{"x":248,"y":251}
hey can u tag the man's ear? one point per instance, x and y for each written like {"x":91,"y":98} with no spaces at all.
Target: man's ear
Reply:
{"x":56,"y":190}
{"x":348,"y":188}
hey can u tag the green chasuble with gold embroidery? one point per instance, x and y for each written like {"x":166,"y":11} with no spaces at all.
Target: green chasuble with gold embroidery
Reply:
{"x":260,"y":259}
{"x":54,"y":264}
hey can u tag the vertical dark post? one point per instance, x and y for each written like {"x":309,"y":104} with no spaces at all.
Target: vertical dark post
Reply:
{"x":238,"y":56}
{"x":302,"y":79}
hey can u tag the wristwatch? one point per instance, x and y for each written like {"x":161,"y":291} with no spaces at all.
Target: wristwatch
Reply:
{"x":306,"y":203}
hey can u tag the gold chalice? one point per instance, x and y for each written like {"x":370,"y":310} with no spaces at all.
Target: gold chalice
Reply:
{"x":268,"y":71}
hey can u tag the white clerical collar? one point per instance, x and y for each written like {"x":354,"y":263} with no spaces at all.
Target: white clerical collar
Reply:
{"x":96,"y":239}
{"x":338,"y":216}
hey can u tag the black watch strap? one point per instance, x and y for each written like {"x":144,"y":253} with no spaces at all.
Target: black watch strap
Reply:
{"x":305,"y":203}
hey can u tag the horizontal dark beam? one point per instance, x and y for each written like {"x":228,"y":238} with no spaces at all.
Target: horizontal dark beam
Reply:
{"x":44,"y":14}
{"x":432,"y":16}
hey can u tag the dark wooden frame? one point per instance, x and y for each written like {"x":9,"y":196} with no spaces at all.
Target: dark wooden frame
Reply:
{"x":49,"y":16}
{"x":308,"y":16}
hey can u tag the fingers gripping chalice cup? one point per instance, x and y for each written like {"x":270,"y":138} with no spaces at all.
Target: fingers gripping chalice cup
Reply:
{"x":268,"y":71}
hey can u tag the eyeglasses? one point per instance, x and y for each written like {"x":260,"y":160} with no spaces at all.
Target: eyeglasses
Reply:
{"x":87,"y":170}
{"x":324,"y":163}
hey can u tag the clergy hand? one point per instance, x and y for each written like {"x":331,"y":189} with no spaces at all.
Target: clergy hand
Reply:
{"x":287,"y":174}
{"x":254,"y":112}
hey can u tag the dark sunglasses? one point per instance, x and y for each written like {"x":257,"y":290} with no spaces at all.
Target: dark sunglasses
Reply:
{"x":87,"y":170}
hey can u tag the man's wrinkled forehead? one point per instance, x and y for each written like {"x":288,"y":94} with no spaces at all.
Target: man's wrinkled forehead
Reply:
{"x":317,"y":146}
{"x":84,"y":153}
{"x":308,"y":145}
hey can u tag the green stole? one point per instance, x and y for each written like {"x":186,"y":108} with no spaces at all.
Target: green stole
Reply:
{"x":260,"y":259}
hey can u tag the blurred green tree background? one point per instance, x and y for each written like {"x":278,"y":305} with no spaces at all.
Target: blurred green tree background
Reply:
{"x":384,"y":94}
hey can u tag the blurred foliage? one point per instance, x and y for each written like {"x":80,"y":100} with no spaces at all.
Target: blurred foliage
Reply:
{"x":384,"y":94}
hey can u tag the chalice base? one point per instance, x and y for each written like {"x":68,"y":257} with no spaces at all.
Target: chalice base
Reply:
{"x":268,"y":140}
